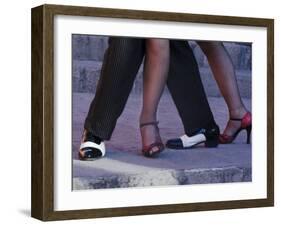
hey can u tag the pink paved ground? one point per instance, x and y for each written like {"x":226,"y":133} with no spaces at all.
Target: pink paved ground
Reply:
{"x":126,"y":136}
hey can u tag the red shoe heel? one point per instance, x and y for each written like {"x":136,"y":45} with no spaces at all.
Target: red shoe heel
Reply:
{"x":249,"y":129}
{"x":246,"y":124}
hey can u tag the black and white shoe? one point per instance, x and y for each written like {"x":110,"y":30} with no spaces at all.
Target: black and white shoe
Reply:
{"x":91,"y":147}
{"x":208,"y":136}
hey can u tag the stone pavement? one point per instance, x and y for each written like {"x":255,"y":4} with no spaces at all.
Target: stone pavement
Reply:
{"x":124,"y":166}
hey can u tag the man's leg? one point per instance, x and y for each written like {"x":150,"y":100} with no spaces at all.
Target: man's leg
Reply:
{"x":121,"y":63}
{"x":187,"y":91}
{"x":120,"y":66}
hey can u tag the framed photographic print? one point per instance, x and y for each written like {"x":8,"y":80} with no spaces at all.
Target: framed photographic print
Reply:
{"x":142,"y":112}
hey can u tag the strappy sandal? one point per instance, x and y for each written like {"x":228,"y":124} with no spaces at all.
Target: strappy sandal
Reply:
{"x":91,"y":147}
{"x":246,"y":124}
{"x":147,"y":151}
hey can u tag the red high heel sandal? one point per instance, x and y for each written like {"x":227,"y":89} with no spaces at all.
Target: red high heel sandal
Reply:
{"x":147,"y":151}
{"x":246,"y":124}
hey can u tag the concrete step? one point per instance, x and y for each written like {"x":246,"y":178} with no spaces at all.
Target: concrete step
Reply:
{"x":182,"y":167}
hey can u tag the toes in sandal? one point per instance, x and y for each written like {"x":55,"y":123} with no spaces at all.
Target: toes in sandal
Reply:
{"x":91,"y":147}
{"x":148,"y":151}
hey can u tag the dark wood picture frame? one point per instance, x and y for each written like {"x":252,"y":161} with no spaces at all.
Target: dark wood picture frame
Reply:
{"x":43,"y":120}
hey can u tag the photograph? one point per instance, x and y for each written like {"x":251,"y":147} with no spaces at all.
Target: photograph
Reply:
{"x":160,"y":112}
{"x":143,"y":112}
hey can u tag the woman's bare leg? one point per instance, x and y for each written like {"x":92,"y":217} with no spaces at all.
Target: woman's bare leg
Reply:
{"x":156,"y":67}
{"x":223,"y":70}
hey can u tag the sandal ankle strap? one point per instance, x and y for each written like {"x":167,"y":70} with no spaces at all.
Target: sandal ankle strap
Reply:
{"x":240,"y":119}
{"x":155,"y":123}
{"x":236,"y":119}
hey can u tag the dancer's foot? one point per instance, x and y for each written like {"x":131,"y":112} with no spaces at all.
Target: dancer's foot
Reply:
{"x":209,"y":136}
{"x":151,"y":141}
{"x":91,"y":148}
{"x":235,"y":126}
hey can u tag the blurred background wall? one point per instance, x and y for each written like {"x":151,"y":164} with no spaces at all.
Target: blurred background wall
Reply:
{"x":88,"y":51}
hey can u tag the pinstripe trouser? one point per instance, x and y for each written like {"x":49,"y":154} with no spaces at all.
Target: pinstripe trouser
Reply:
{"x":121,"y":63}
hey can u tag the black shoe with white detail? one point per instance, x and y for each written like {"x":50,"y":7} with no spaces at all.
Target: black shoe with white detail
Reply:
{"x":208,"y":136}
{"x":91,"y":148}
